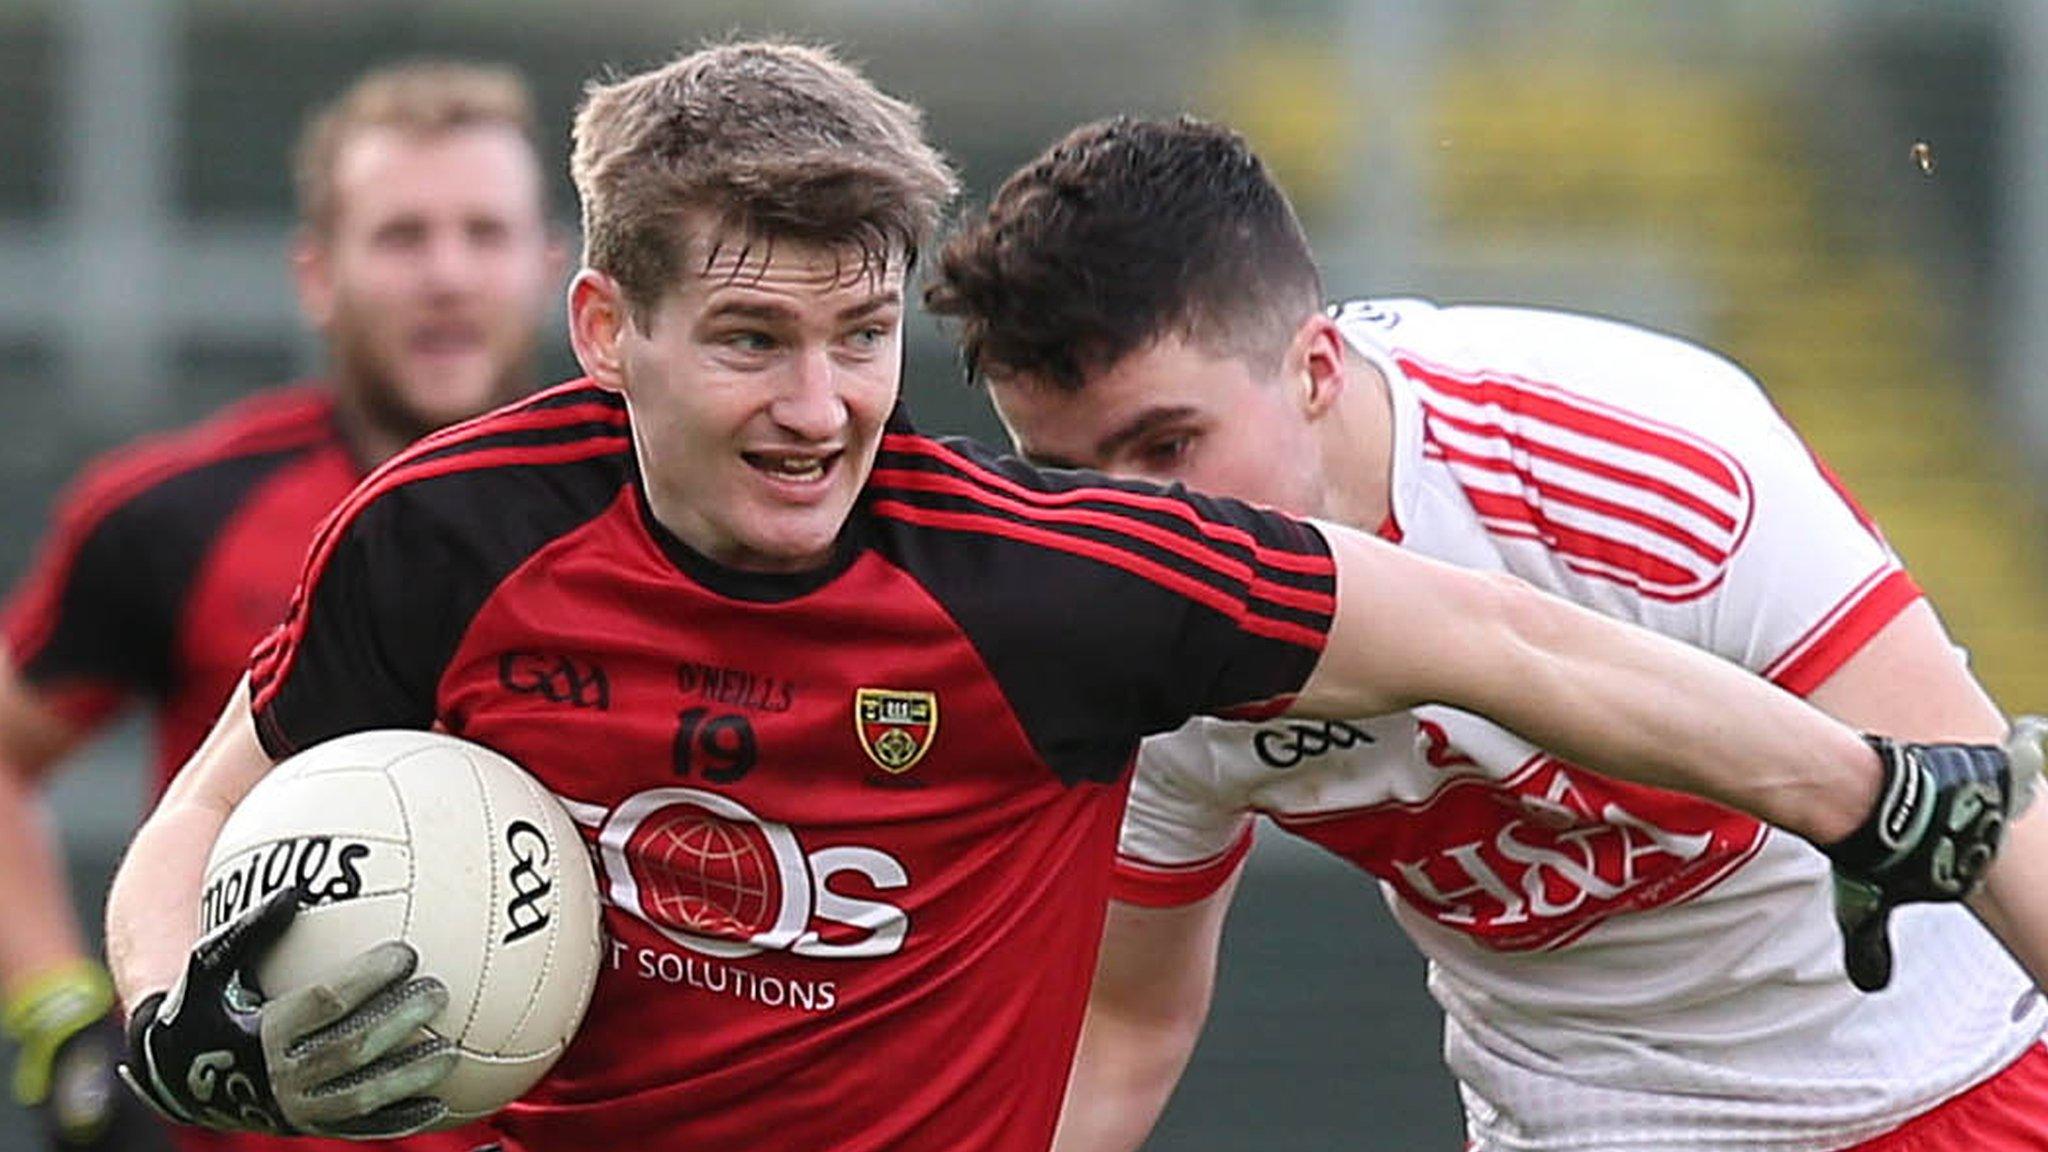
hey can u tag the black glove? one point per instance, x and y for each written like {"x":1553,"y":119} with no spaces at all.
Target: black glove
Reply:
{"x":1940,"y":816}
{"x":341,"y":1058}
{"x":64,"y":1071}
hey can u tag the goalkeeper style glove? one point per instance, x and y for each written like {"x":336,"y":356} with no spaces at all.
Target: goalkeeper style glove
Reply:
{"x":1941,"y":814}
{"x":339,"y":1058}
{"x":68,"y":1042}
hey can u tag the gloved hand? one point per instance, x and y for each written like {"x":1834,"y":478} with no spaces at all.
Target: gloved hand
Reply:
{"x":64,"y":1070}
{"x":339,"y":1058}
{"x":1940,"y":816}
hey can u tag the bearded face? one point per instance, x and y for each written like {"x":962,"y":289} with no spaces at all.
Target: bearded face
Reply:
{"x":430,"y":281}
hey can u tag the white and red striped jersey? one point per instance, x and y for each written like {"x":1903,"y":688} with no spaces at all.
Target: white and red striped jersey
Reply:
{"x":1620,"y":967}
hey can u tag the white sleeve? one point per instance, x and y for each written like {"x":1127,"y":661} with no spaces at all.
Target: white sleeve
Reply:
{"x":1184,"y":833}
{"x":1812,"y":580}
{"x":1661,"y":486}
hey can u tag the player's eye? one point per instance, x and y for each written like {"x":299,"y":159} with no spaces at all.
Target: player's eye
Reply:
{"x":489,"y":233}
{"x":1167,"y":453}
{"x":400,"y":234}
{"x":868,"y":338}
{"x":748,"y":340}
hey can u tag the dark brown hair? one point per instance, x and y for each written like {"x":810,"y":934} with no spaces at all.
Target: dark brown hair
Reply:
{"x":764,"y":139}
{"x":1124,"y":232}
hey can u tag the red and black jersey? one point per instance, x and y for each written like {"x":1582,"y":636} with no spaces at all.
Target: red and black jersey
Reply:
{"x":170,"y":560}
{"x":854,"y":826}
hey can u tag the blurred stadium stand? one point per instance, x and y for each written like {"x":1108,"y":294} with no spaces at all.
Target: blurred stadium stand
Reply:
{"x":1738,"y":171}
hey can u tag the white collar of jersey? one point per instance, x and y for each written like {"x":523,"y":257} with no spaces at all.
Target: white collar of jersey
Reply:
{"x":1407,"y":417}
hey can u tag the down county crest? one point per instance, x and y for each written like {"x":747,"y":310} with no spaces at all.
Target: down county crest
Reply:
{"x":895,"y":726}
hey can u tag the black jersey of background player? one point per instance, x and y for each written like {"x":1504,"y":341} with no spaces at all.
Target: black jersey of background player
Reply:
{"x":854,"y":826}
{"x":168,"y":561}
{"x":170,"y":558}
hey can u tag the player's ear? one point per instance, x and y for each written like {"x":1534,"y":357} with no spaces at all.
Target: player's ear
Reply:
{"x":1315,"y":362}
{"x":313,"y":276}
{"x":598,"y":315}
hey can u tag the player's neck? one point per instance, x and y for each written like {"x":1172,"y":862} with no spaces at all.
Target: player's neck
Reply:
{"x":1358,"y":448}
{"x":370,"y":442}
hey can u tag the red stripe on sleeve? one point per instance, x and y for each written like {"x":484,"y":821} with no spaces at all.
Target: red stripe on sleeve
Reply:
{"x":1257,"y":586}
{"x":1675,"y":533}
{"x":1582,"y":416}
{"x":268,"y":424}
{"x":1585,"y":545}
{"x":276,"y":654}
{"x":1149,"y":885}
{"x":1522,"y":445}
{"x":992,"y":525}
{"x":1284,"y":561}
{"x":1843,"y":632}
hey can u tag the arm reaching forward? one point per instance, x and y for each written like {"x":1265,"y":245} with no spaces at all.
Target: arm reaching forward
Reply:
{"x":1608,"y":696}
{"x":1902,"y":822}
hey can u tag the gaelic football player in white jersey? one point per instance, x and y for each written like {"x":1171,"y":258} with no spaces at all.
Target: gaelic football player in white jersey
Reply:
{"x":1620,"y":968}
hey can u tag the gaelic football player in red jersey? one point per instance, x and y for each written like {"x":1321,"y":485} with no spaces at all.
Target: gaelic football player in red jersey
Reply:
{"x":869,"y":698}
{"x":426,"y":261}
{"x":1619,"y":968}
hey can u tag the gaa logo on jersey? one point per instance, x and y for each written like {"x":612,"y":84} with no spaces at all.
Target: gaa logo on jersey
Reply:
{"x":710,"y":875}
{"x":895,"y":726}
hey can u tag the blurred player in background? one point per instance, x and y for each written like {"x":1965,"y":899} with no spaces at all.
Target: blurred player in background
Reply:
{"x":1620,"y":968}
{"x":868,"y":698}
{"x":426,"y":262}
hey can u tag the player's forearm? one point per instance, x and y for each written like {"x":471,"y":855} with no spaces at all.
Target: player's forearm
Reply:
{"x":1154,"y":979}
{"x":1629,"y":703}
{"x":1610,"y":697}
{"x":39,"y":934}
{"x":153,"y":905}
{"x":1124,"y":1073}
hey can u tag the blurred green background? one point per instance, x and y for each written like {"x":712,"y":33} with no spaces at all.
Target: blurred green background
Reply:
{"x":1848,"y":196}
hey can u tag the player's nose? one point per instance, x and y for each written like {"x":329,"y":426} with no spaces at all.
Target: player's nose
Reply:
{"x":810,"y":402}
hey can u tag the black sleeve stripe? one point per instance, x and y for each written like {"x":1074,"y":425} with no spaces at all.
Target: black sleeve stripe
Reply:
{"x":1126,"y":526}
{"x":1116,"y":538}
{"x":970,"y":473}
{"x":1009,"y":528}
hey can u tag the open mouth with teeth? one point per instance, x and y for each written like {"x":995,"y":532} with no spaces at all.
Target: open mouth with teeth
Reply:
{"x":792,"y":466}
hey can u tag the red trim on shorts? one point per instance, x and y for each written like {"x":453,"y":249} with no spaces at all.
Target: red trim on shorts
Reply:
{"x":1150,"y":885}
{"x":2006,"y":1113}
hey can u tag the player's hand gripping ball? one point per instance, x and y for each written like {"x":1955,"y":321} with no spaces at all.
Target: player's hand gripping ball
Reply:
{"x":434,"y":878}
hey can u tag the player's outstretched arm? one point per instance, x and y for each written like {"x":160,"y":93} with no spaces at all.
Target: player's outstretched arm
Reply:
{"x":1154,"y":980}
{"x":1901,"y":822}
{"x":1608,"y":696}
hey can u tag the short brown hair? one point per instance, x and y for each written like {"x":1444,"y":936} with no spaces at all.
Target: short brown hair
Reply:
{"x":764,"y":138}
{"x":1123,"y":232}
{"x":426,"y":97}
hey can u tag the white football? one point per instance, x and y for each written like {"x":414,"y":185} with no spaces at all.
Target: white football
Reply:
{"x":445,"y":844}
